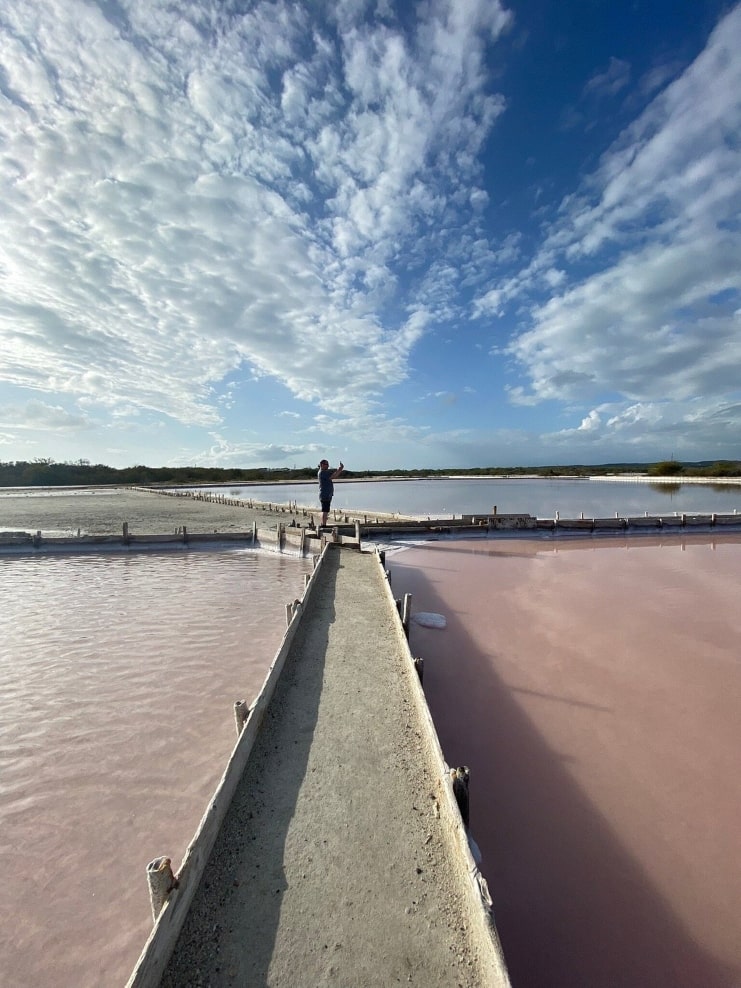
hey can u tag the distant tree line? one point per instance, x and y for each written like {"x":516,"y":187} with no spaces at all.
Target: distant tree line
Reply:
{"x":82,"y":473}
{"x":672,"y":468}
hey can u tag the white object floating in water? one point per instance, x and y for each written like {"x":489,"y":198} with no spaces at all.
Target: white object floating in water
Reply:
{"x":429,"y":620}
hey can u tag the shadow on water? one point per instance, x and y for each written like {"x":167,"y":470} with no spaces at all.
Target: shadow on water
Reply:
{"x":561,"y":699}
{"x":230,"y":934}
{"x":573,"y":907}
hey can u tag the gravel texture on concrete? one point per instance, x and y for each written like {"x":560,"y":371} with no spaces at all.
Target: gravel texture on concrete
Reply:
{"x":334,"y":865}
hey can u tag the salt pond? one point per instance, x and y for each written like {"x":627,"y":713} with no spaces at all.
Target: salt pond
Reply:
{"x":593,"y":689}
{"x":542,"y":497}
{"x":592,"y":685}
{"x":118,"y":675}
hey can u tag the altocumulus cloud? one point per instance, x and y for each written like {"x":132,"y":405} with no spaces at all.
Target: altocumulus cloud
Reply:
{"x":190,"y":189}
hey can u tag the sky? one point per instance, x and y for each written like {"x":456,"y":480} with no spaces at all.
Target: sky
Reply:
{"x":451,"y":233}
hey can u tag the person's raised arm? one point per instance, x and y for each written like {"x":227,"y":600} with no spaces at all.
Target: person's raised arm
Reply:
{"x":338,"y":471}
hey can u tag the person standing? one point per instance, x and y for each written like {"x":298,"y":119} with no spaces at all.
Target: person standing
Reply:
{"x":326,"y":487}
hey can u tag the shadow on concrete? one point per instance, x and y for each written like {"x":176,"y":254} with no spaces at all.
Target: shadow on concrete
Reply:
{"x":573,"y":907}
{"x":230,"y":933}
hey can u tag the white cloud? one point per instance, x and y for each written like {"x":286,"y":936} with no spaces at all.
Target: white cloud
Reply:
{"x":700,"y":428}
{"x":224,"y":452}
{"x":609,"y":82}
{"x":39,"y":415}
{"x":651,"y":249}
{"x":183,"y":202}
{"x":591,"y":423}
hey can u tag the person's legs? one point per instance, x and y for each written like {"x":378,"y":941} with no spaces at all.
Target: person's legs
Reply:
{"x":325,"y":511}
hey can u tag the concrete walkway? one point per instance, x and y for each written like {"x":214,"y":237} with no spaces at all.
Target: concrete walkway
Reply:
{"x":340,"y":861}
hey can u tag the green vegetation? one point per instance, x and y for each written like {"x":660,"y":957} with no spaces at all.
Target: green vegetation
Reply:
{"x":666,"y":468}
{"x":48,"y":473}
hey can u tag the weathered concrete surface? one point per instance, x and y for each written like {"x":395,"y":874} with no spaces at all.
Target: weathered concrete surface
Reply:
{"x":338,"y":862}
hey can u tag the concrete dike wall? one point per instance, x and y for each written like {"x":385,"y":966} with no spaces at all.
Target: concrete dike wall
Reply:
{"x":335,"y":849}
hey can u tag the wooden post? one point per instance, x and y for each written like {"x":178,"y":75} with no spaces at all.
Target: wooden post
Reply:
{"x":357,"y":533}
{"x":126,"y":533}
{"x":161,"y":883}
{"x":185,"y":534}
{"x":254,"y":532}
{"x":289,"y":613}
{"x":241,"y":713}
{"x":461,"y":777}
{"x":406,"y":613}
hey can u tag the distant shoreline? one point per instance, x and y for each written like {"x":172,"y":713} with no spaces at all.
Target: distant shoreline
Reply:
{"x":631,"y":478}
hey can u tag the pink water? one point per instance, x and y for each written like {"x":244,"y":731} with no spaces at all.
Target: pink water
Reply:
{"x":118,"y":675}
{"x":594,"y":689}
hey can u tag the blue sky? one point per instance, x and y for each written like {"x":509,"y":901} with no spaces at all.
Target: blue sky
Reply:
{"x":441,"y":234}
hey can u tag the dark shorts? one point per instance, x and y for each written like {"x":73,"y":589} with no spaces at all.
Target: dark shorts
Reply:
{"x":325,"y":502}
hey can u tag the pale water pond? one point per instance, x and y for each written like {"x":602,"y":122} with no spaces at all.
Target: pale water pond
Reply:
{"x":542,"y":498}
{"x":118,"y":675}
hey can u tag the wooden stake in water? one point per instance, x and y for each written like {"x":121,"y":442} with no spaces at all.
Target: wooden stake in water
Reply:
{"x":241,"y":713}
{"x":161,"y":883}
{"x":406,"y":613}
{"x":461,"y":777}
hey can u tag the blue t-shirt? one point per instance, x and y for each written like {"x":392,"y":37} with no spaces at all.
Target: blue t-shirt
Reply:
{"x":326,"y":487}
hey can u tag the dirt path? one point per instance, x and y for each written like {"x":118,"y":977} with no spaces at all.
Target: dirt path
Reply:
{"x":335,"y":863}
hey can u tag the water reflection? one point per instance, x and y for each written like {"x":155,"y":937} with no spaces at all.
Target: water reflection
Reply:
{"x":666,"y":489}
{"x":541,"y":497}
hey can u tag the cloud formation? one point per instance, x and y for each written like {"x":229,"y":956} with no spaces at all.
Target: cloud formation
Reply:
{"x":652,"y":241}
{"x":236,"y":233}
{"x":183,"y":201}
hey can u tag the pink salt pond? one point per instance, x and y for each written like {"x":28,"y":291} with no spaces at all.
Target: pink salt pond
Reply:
{"x":593,"y":689}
